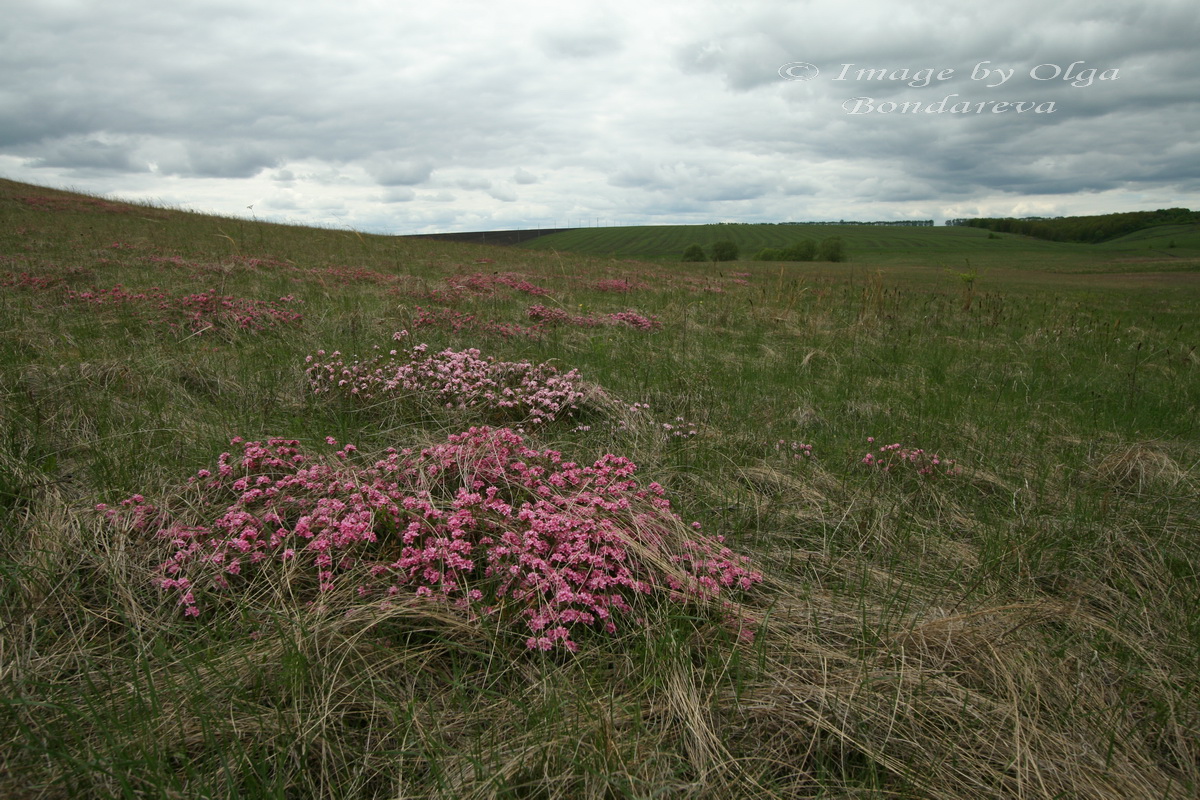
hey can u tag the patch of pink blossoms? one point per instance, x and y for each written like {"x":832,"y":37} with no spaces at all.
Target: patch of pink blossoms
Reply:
{"x":482,"y":523}
{"x":893,"y":458}
{"x":450,"y":379}
{"x":557,"y":316}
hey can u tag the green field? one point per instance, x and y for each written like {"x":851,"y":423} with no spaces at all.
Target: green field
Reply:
{"x":966,"y":470}
{"x":887,"y":246}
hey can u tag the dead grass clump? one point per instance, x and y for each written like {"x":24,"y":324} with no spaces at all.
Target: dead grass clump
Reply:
{"x":997,"y":701}
{"x":1138,"y":469}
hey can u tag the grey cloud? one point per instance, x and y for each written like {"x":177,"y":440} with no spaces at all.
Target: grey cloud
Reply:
{"x":667,"y":111}
{"x":219,"y":161}
{"x":77,"y":152}
{"x":746,"y":61}
{"x":581,"y":44}
{"x":502,"y":193}
{"x":401,"y":194}
{"x":401,"y":173}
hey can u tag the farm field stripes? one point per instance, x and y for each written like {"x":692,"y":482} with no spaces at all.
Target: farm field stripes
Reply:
{"x":1177,"y":247}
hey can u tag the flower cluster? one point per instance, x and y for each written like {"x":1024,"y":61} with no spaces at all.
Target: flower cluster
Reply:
{"x":680,"y":428}
{"x":557,"y":316}
{"x":479,"y":283}
{"x":456,"y":288}
{"x":635,"y":320}
{"x":797,"y":451}
{"x":621,"y":285}
{"x":456,"y":321}
{"x":198,"y":312}
{"x":26,"y":280}
{"x":641,"y":420}
{"x":894,"y":458}
{"x":481,"y":523}
{"x":450,"y":379}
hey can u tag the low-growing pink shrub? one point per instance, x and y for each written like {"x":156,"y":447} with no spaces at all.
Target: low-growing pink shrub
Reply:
{"x":25,"y":280}
{"x":621,"y":285}
{"x":450,"y":379}
{"x":482,"y":523}
{"x":482,"y":284}
{"x":557,"y":316}
{"x":893,"y":458}
{"x":797,"y":451}
{"x":198,"y":312}
{"x":635,"y":320}
{"x":449,"y":319}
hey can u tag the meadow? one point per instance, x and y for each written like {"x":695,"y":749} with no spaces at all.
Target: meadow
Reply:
{"x":1165,"y":248}
{"x":290,"y":512}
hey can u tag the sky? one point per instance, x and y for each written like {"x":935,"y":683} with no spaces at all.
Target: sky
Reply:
{"x":393,"y":117}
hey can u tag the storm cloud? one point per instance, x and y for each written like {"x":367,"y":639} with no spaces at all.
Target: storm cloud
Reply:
{"x":470,"y":115}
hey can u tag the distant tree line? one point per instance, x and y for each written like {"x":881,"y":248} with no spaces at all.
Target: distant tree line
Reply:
{"x":1082,"y":229}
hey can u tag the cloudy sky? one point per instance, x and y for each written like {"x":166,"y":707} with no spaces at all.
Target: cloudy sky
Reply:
{"x":386,"y":116}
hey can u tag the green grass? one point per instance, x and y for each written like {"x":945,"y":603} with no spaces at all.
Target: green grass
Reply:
{"x":1027,"y":628}
{"x":958,"y":248}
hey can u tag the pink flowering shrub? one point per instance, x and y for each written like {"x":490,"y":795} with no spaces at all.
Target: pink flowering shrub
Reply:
{"x":448,"y":319}
{"x":794,"y":451}
{"x":680,"y":428}
{"x":450,"y":379}
{"x":481,"y":523}
{"x":479,"y":283}
{"x":637,"y":419}
{"x":198,"y":312}
{"x":894,"y":459}
{"x":26,"y":280}
{"x":635,"y":320}
{"x":558,"y":316}
{"x":620,"y":285}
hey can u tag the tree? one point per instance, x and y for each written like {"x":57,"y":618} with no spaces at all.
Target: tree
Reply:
{"x":724,"y":251}
{"x":694,"y":252}
{"x":803,"y":250}
{"x":832,"y":249}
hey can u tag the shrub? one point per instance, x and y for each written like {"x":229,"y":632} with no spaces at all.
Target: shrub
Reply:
{"x":545,"y":315}
{"x":770,"y":254}
{"x":481,"y":524}
{"x":450,"y":379}
{"x":693,"y":253}
{"x":832,"y":249}
{"x":803,"y":250}
{"x":724,"y":251}
{"x":895,"y":459}
{"x":449,"y":319}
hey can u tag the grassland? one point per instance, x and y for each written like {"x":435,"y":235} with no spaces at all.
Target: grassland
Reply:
{"x":1026,"y":625}
{"x":1173,"y":248}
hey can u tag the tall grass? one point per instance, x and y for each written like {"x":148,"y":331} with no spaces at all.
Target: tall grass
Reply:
{"x":1027,"y":627}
